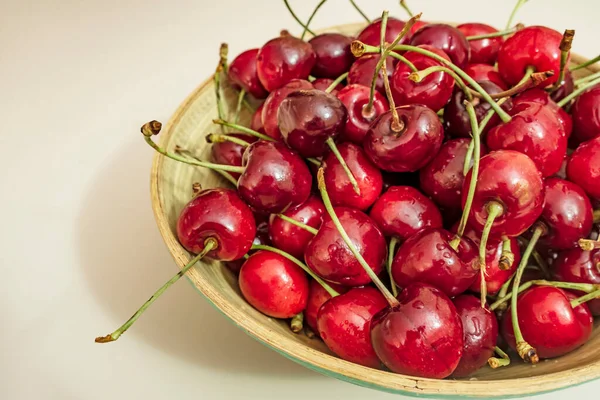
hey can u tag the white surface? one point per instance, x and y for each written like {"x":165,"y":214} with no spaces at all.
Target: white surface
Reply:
{"x":80,"y":249}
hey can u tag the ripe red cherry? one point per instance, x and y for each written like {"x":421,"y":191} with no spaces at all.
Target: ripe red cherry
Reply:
{"x":483,"y":51}
{"x":333,"y":55}
{"x":308,"y":118}
{"x":291,"y":238}
{"x":566,"y":87}
{"x":533,"y":46}
{"x":548,"y":322}
{"x":344,"y":324}
{"x":367,"y":175}
{"x":261,"y":238}
{"x":446,"y":38}
{"x":484,"y":72}
{"x":417,"y":25}
{"x":256,"y":122}
{"x":433,"y":91}
{"x":402,"y":211}
{"x":219,"y":214}
{"x":274,"y":285}
{"x":355,"y":98}
{"x":427,"y":257}
{"x":275,"y":178}
{"x":242,"y":72}
{"x":324,"y":83}
{"x":534,"y":130}
{"x":586,"y":115}
{"x":317,"y":296}
{"x":480,"y":332}
{"x":442,"y":179}
{"x":410,"y":149}
{"x":282,"y":59}
{"x":421,"y":337}
{"x":512,"y":180}
{"x":362,"y":71}
{"x":371,"y":35}
{"x":272,"y":103}
{"x":584,"y":167}
{"x":537,"y":95}
{"x":230,"y":153}
{"x":579,"y":266}
{"x":328,"y":255}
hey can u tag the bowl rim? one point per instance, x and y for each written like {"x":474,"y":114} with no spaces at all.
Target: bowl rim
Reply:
{"x":327,"y":364}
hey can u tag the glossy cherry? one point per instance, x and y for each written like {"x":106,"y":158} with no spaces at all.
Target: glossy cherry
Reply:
{"x":579,"y":266}
{"x":362,"y":71}
{"x":446,"y":38}
{"x":537,"y":95}
{"x":423,"y":336}
{"x":230,"y":153}
{"x":356,"y":97}
{"x":412,"y":147}
{"x":586,"y":115}
{"x":548,"y":322}
{"x":242,"y":72}
{"x":283,"y":59}
{"x":333,"y":55}
{"x":371,"y":34}
{"x":317,"y":296}
{"x":485,"y":72}
{"x":272,"y":103}
{"x":256,"y":121}
{"x":324,"y":83}
{"x":583,"y":167}
{"x":483,"y":51}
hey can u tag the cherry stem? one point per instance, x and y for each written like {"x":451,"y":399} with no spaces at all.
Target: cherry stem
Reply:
{"x":360,"y":11}
{"x":299,"y":224}
{"x":503,"y":361}
{"x":238,"y":107}
{"x":337,"y":81}
{"x":299,"y":263}
{"x":505,"y":32}
{"x":297,"y":322}
{"x":311,"y":18}
{"x":209,"y":244}
{"x":224,"y":174}
{"x":577,"y":92}
{"x":588,"y":78}
{"x":585,"y":64}
{"x":514,"y":12}
{"x":596,"y":216}
{"x":221,"y":68}
{"x":565,"y":50}
{"x":530,"y":79}
{"x":393,"y":302}
{"x":393,"y":243}
{"x":468,"y":158}
{"x":405,"y":6}
{"x":302,"y":24}
{"x":345,"y":167}
{"x":494,"y":210}
{"x":243,"y":129}
{"x":542,"y":264}
{"x":507,"y":258}
{"x":404,"y":60}
{"x":588,"y":244}
{"x":585,"y":298}
{"x":216,"y":138}
{"x":420,"y":75}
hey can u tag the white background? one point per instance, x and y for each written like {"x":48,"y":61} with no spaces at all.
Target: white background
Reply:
{"x":79,"y":247}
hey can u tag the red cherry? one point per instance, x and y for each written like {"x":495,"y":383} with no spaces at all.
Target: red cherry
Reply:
{"x":548,"y":322}
{"x":484,"y":72}
{"x":219,"y":214}
{"x":566,"y":87}
{"x":362,"y":71}
{"x":274,"y":285}
{"x":417,"y":25}
{"x":537,"y":95}
{"x":433,"y":91}
{"x":283,"y":59}
{"x":272,"y":103}
{"x":483,"y":51}
{"x":328,"y":255}
{"x":534,"y":130}
{"x":317,"y":296}
{"x":446,"y":38}
{"x":324,"y":83}
{"x":230,"y":153}
{"x":371,"y":35}
{"x":344,"y":324}
{"x":410,"y":149}
{"x":586,"y":115}
{"x":256,"y":122}
{"x":579,"y":266}
{"x":584,"y":167}
{"x":480,"y":332}
{"x":242,"y":72}
{"x":533,"y":46}
{"x":261,"y":238}
{"x":333,"y":55}
{"x":402,"y":211}
{"x":421,"y":337}
{"x":355,"y":98}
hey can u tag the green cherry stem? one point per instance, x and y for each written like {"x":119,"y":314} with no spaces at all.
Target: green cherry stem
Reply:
{"x":507,"y":258}
{"x":420,"y":75}
{"x":238,"y":107}
{"x":216,"y":138}
{"x":585,"y":64}
{"x":221,"y":68}
{"x":357,"y":8}
{"x":505,"y":32}
{"x":228,"y":177}
{"x":209,"y":244}
{"x":311,"y":18}
{"x":513,"y":14}
{"x":337,"y":81}
{"x":468,"y":158}
{"x":329,"y":207}
{"x":590,"y":296}
{"x":577,"y":92}
{"x":243,"y":129}
{"x":297,"y":323}
{"x":302,"y":24}
{"x":585,"y":79}
{"x":494,"y":210}
{"x":405,"y":6}
{"x":404,"y":60}
{"x":503,"y":361}
{"x":390,"y":260}
{"x":345,"y":167}
{"x":299,"y":224}
{"x":565,"y":50}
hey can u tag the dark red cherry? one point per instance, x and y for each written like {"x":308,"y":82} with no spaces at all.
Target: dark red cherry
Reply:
{"x":442,"y":179}
{"x":480,"y":332}
{"x":283,"y":59}
{"x":534,"y":130}
{"x":537,"y":95}
{"x":256,"y":122}
{"x":485,"y":72}
{"x":566,"y":87}
{"x":355,"y":98}
{"x":291,"y":238}
{"x":421,"y":337}
{"x":548,"y":322}
{"x":579,"y":266}
{"x":433,"y":91}
{"x":275,"y":178}
{"x":412,"y":147}
{"x":272,"y":103}
{"x":307,"y":118}
{"x":512,"y":180}
{"x":328,"y":255}
{"x":230,"y":153}
{"x":417,"y":25}
{"x":533,"y":46}
{"x":274,"y":285}
{"x":446,"y":38}
{"x":483,"y":51}
{"x":583,"y":167}
{"x":427,"y":257}
{"x":261,"y":238}
{"x":344,"y":324}
{"x":362,"y":71}
{"x":324,"y":83}
{"x":586,"y":115}
{"x":371,"y":35}
{"x":333,"y":55}
{"x":219,"y":214}
{"x":242,"y":72}
{"x":402,"y":211}
{"x":317,"y":296}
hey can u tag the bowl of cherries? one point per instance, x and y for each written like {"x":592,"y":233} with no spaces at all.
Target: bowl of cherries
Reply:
{"x":404,"y":205}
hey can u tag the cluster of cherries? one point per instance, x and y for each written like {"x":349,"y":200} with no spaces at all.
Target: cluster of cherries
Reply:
{"x":445,"y":158}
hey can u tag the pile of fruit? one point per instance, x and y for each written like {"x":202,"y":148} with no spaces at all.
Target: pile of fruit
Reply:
{"x":420,"y":197}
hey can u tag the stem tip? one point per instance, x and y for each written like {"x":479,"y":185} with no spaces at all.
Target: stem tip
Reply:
{"x":527,"y":352}
{"x":151,"y":128}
